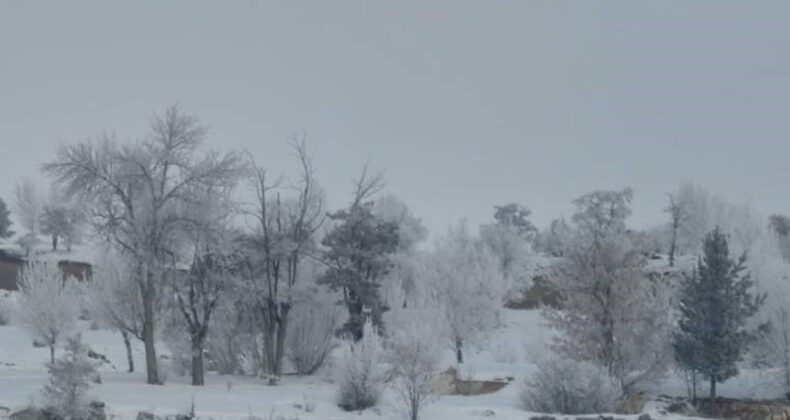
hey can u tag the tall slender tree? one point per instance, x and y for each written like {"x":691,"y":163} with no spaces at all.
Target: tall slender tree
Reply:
{"x":677,"y":217}
{"x":716,"y":302}
{"x":284,"y":235}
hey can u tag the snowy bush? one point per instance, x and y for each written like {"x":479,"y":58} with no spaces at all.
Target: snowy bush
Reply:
{"x":66,"y":394}
{"x":569,"y":387}
{"x":414,"y":358}
{"x":359,"y":371}
{"x":311,"y":337}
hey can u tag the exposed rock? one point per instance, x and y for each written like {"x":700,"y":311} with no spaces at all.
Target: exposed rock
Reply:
{"x":542,"y":418}
{"x":448,"y":383}
{"x":484,"y":413}
{"x":727,"y":408}
{"x":644,"y":416}
{"x":144,"y":415}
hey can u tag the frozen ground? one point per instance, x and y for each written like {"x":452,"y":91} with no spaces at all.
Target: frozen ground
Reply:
{"x":512,"y":352}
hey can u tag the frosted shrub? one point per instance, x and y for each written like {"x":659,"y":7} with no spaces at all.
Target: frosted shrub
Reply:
{"x":414,"y":358}
{"x":569,"y":387}
{"x":359,"y":371}
{"x":66,"y":394}
{"x":311,"y":338}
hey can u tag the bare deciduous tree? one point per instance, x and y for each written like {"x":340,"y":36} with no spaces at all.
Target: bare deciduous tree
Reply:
{"x":114,"y":299}
{"x":677,"y":217}
{"x":136,"y":189}
{"x":612,"y":314}
{"x":284,"y":235}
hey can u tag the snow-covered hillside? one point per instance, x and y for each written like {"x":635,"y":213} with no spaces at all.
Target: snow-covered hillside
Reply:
{"x":512,"y":351}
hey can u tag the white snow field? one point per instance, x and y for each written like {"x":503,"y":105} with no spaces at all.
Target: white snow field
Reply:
{"x":511,"y":352}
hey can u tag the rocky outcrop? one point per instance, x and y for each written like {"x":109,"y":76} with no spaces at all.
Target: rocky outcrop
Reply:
{"x":726,"y":408}
{"x":448,"y":383}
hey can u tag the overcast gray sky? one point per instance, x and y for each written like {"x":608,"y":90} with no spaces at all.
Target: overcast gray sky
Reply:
{"x":467,"y":104}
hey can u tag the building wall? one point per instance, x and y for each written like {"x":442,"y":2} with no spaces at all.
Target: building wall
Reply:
{"x":11,"y":264}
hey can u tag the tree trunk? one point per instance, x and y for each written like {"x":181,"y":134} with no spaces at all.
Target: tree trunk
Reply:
{"x":198,"y":375}
{"x":127,"y":342}
{"x":52,"y":354}
{"x":269,"y":331}
{"x":672,"y":247}
{"x":151,"y":368}
{"x":713,"y":388}
{"x":282,"y":327}
{"x":459,"y":355}
{"x":356,"y":321}
{"x":694,"y":387}
{"x":54,"y":242}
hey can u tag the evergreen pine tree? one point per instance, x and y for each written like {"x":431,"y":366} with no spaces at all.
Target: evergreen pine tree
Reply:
{"x":715,"y":304}
{"x":358,"y":250}
{"x":5,"y":222}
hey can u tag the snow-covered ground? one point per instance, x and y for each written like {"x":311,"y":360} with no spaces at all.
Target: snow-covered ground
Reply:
{"x":512,"y":351}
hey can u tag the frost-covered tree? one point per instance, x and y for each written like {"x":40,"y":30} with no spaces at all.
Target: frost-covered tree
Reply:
{"x":554,"y":239}
{"x":113,"y":299}
{"x":197,"y":295}
{"x":359,"y":371}
{"x":510,"y":239}
{"x":5,"y":221}
{"x":716,"y":303}
{"x":358,"y":251}
{"x":285,"y":228}
{"x":467,"y":285}
{"x":214,"y":264}
{"x":401,"y":287}
{"x":612,"y":315}
{"x":46,"y":306}
{"x":677,"y":217}
{"x":28,"y":207}
{"x":516,"y":215}
{"x":411,"y":231}
{"x":136,"y":191}
{"x":62,"y":218}
{"x":66,"y":394}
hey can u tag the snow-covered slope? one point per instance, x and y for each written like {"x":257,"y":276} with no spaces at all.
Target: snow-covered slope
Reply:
{"x":512,"y":351}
